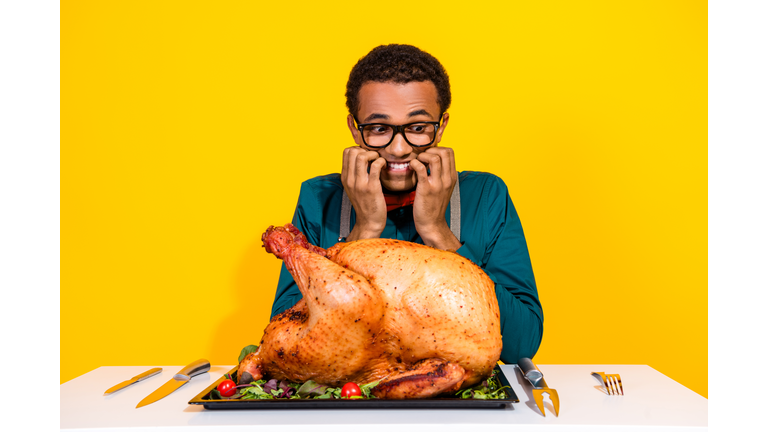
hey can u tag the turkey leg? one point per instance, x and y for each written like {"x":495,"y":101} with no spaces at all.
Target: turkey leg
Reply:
{"x":424,"y":379}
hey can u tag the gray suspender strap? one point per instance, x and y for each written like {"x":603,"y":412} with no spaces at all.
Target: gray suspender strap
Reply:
{"x":346,"y":212}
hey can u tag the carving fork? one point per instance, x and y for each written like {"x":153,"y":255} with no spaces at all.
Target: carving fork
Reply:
{"x":536,"y":378}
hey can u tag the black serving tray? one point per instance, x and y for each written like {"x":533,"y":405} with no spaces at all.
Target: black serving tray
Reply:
{"x":300,"y":404}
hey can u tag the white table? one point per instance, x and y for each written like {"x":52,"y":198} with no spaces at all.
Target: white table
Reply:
{"x":652,"y":402}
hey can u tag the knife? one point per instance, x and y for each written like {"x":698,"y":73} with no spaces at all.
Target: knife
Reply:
{"x":137,"y":378}
{"x":195,"y":368}
{"x":536,"y":378}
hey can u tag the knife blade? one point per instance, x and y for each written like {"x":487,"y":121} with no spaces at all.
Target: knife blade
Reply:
{"x":195,"y":368}
{"x":141,"y":377}
{"x":536,"y":378}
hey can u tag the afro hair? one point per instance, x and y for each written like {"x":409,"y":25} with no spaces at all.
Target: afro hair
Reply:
{"x":400,"y":64}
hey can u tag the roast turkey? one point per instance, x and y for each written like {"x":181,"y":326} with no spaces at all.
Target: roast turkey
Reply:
{"x":423,"y":321}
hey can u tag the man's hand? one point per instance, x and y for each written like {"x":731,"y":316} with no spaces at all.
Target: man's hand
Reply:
{"x":364,"y":191}
{"x":433,"y":193}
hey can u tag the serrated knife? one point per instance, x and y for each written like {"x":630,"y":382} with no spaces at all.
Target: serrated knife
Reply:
{"x":141,"y":377}
{"x":195,"y":368}
{"x":536,"y":378}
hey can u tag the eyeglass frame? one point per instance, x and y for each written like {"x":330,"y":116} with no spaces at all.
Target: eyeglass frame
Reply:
{"x":397,"y":130}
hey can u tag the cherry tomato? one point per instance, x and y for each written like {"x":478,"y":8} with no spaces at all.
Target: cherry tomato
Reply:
{"x":227,"y":388}
{"x":350,"y":389}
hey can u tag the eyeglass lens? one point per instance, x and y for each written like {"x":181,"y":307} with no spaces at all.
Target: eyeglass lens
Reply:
{"x":418,"y":134}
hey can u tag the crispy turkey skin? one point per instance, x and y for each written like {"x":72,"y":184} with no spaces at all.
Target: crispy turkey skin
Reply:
{"x":421,"y":320}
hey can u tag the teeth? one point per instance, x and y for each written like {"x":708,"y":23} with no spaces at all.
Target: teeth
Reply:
{"x":398,"y":166}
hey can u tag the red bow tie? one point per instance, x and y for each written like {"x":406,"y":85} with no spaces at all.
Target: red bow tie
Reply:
{"x":395,"y":201}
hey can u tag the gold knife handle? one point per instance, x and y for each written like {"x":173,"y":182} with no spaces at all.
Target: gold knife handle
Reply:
{"x":147,"y":374}
{"x":197,"y":367}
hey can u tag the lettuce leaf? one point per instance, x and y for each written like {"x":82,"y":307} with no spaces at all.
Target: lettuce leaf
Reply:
{"x":245,"y":351}
{"x":312,"y":389}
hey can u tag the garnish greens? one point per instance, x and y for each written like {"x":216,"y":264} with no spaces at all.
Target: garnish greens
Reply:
{"x":274,"y":389}
{"x":491,"y":388}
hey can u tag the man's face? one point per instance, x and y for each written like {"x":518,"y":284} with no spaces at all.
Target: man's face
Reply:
{"x":398,"y":104}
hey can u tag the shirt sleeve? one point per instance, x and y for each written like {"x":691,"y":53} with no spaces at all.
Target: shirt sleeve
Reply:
{"x":497,"y":244}
{"x":307,"y":219}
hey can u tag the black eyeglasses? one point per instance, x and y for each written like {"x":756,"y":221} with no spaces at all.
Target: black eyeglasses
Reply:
{"x":380,"y":135}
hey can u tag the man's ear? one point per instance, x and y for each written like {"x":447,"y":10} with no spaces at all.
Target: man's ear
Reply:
{"x":353,"y":129}
{"x":442,"y":128}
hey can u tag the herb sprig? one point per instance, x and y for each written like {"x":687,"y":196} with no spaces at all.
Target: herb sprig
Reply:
{"x":491,"y":388}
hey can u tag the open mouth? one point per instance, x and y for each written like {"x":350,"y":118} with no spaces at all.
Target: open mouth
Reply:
{"x":398,"y":166}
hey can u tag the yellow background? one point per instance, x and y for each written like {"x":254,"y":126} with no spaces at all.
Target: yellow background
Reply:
{"x":187,"y":128}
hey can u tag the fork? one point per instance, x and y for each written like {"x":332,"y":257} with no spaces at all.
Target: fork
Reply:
{"x":611,"y":383}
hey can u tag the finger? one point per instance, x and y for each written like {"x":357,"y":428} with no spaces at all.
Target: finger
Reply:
{"x":376,"y":168}
{"x":421,"y":172}
{"x":454,"y":171}
{"x":433,"y":159}
{"x":346,"y":169}
{"x":447,"y":170}
{"x":449,"y":165}
{"x":351,"y":156}
{"x":361,"y":164}
{"x":349,"y":167}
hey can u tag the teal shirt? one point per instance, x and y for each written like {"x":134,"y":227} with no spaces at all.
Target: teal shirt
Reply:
{"x":491,"y":237}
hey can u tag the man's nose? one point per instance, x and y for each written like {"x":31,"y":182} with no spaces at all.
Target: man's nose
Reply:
{"x":399,"y":146}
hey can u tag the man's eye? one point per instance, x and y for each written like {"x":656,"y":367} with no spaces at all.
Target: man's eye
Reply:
{"x":417,"y":128}
{"x":379,"y":129}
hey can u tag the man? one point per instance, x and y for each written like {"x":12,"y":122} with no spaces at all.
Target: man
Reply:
{"x":400,"y":185}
